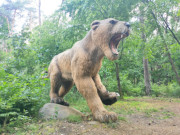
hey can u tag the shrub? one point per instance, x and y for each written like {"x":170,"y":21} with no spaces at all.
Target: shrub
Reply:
{"x":20,"y":95}
{"x":172,"y":89}
{"x":130,"y":89}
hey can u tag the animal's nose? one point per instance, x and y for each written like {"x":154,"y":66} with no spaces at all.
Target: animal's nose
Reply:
{"x":127,"y":24}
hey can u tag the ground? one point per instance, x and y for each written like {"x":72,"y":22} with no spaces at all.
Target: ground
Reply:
{"x":137,"y":116}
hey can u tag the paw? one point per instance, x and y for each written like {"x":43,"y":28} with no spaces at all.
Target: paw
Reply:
{"x":60,"y":101}
{"x":110,"y":99}
{"x":105,"y":116}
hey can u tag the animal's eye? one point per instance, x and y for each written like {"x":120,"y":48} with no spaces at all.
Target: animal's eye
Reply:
{"x":113,"y":22}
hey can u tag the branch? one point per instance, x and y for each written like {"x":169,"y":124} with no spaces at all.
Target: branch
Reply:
{"x":102,"y":9}
{"x":120,"y":57}
{"x":158,"y":26}
{"x":167,"y":25}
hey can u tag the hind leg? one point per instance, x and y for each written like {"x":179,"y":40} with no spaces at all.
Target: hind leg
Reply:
{"x":55,"y":80}
{"x":65,"y":87}
{"x":59,"y":88}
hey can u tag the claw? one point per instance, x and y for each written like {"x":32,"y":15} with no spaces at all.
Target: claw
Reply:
{"x":105,"y":116}
{"x":60,"y":101}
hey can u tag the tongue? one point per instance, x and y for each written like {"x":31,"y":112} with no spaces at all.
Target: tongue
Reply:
{"x":114,"y":50}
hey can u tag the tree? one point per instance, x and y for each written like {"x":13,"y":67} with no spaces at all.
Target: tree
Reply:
{"x":145,"y":59}
{"x":117,"y":74}
{"x":39,"y":8}
{"x":155,"y":15}
{"x":10,"y":10}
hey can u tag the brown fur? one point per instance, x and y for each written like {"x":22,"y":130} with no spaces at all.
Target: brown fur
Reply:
{"x":81,"y":64}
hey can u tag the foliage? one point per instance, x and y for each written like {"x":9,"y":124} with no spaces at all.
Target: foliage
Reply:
{"x":173,"y":89}
{"x":20,"y":95}
{"x":3,"y":28}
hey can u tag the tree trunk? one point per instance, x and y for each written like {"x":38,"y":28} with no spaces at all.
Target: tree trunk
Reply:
{"x":13,"y":22}
{"x":173,"y":66}
{"x":9,"y":29}
{"x":39,"y":12}
{"x":118,"y":81}
{"x":30,"y":21}
{"x":145,"y":61}
{"x":146,"y":77}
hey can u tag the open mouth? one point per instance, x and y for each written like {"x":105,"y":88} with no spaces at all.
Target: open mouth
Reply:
{"x":114,"y":42}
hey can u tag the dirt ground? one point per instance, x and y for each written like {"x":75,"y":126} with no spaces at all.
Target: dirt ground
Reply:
{"x":164,"y":121}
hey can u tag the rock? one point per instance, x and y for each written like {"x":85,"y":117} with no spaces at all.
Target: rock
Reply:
{"x":56,"y":111}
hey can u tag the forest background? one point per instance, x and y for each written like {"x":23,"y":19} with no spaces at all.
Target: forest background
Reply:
{"x":149,"y":62}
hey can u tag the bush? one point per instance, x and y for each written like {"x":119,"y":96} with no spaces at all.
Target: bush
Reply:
{"x":172,"y":89}
{"x":21,"y":95}
{"x":130,"y":89}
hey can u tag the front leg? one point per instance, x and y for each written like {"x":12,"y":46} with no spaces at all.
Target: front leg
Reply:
{"x":87,"y":88}
{"x":108,"y":98}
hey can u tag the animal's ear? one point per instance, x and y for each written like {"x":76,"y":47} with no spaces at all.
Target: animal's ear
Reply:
{"x":95,"y":24}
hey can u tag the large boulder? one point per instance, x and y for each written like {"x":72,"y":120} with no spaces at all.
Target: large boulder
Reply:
{"x":56,"y":111}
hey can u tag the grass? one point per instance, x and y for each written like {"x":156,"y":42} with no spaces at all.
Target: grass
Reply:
{"x":166,"y":115}
{"x":133,"y":105}
{"x":74,"y":119}
{"x":123,"y":108}
{"x":122,"y":118}
{"x":149,"y":112}
{"x":143,"y":106}
{"x":81,"y":105}
{"x":112,"y":124}
{"x":34,"y":128}
{"x":177,"y":100}
{"x":128,"y":107}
